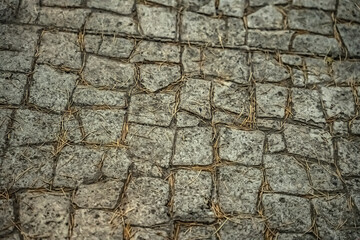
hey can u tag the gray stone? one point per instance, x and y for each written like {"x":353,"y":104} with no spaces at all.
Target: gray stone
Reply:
{"x":44,"y":214}
{"x":269,"y":124}
{"x":156,"y":51}
{"x":146,"y":169}
{"x":193,"y":146}
{"x":191,"y":59}
{"x":235,"y":33}
{"x":152,"y":108}
{"x":5,"y":117}
{"x":90,"y":96}
{"x":265,"y":2}
{"x":71,"y":128}
{"x":242,"y":229}
{"x":295,"y":236}
{"x":271,"y":100}
{"x":285,"y":174}
{"x":146,"y":201}
{"x":355,"y":127}
{"x":287,"y":213}
{"x":171,"y":3}
{"x":231,"y":97}
{"x":51,"y":88}
{"x":192,"y":196}
{"x":307,"y":105}
{"x":77,"y":165}
{"x":316,"y":44}
{"x":340,"y":128}
{"x":226,"y":117}
{"x":61,"y":3}
{"x":110,"y":74}
{"x":298,"y":78}
{"x":15,"y":61}
{"x":101,"y":22}
{"x":235,"y":197}
{"x":316,"y":79}
{"x":116,"y":163}
{"x":323,"y":177}
{"x":267,"y":69}
{"x":321,"y":4}
{"x":269,"y":39}
{"x":201,"y":6}
{"x":27,"y":167}
{"x":291,"y":59}
{"x":346,"y":72}
{"x":348,"y":10}
{"x":98,"y":195}
{"x":348,"y":152}
{"x":240,"y":146}
{"x":184,"y":119}
{"x":195,"y":97}
{"x":28,"y":11}
{"x":151,"y":143}
{"x":265,"y":18}
{"x":197,"y":232}
{"x":96,"y":224}
{"x":7,"y":216}
{"x":275,"y":143}
{"x":157,"y":21}
{"x":12,"y":236}
{"x":34,"y":127}
{"x":232,"y":7}
{"x":60,"y":17}
{"x":149,"y":233}
{"x":348,"y":34}
{"x":13,"y":87}
{"x":354,"y":187}
{"x":338,"y":102}
{"x":60,"y":48}
{"x":123,"y":7}
{"x":102,"y":126}
{"x":155,"y":77}
{"x":317,"y":66}
{"x":8,"y":9}
{"x":226,"y":63}
{"x":309,"y":142}
{"x":316,"y":21}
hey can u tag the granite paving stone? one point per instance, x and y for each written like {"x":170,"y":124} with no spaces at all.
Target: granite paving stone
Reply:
{"x":316,"y":21}
{"x":324,"y":178}
{"x":5,"y":117}
{"x":7,"y":216}
{"x":355,"y":127}
{"x":269,"y":39}
{"x":232,"y":7}
{"x":191,"y":60}
{"x":265,"y":2}
{"x":62,"y":3}
{"x":116,"y":163}
{"x":242,"y":229}
{"x":295,"y":236}
{"x":201,"y":6}
{"x":235,"y":34}
{"x":348,"y":162}
{"x":275,"y":143}
{"x":170,"y":3}
{"x":123,"y":7}
{"x":271,"y":100}
{"x":90,"y":96}
{"x":28,"y":11}
{"x":265,"y":18}
{"x":13,"y":87}
{"x":8,"y":9}
{"x":354,"y":187}
{"x":139,"y":233}
{"x":346,"y":71}
{"x":184,"y":119}
{"x":71,"y":128}
{"x":59,"y":17}
{"x":348,"y":10}
{"x":338,"y":102}
{"x":156,"y":51}
{"x":267,"y":69}
{"x":155,"y":77}
{"x":348,"y":34}
{"x":316,"y":44}
{"x":291,"y":59}
{"x":197,"y":232}
{"x":340,"y":128}
{"x":321,"y":4}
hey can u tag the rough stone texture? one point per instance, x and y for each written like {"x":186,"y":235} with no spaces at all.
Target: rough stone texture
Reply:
{"x":231,"y":97}
{"x":311,"y":20}
{"x":152,"y":108}
{"x":8,"y":9}
{"x":96,"y":224}
{"x":156,"y":51}
{"x":242,"y":229}
{"x":269,"y":124}
{"x":287,"y":213}
{"x":7,"y":216}
{"x":201,"y":6}
{"x":235,"y":35}
{"x":355,"y":127}
{"x":28,"y":11}
{"x":348,"y":160}
{"x":316,"y":44}
{"x":323,"y":177}
{"x":184,"y":119}
{"x":226,"y":117}
{"x":60,"y":17}
{"x":309,"y":142}
{"x":266,"y":18}
{"x":89,"y":96}
{"x":320,"y":4}
{"x":267,"y":69}
{"x":338,"y":102}
{"x":238,"y":198}
{"x":155,"y":77}
{"x":291,"y":59}
{"x":197,"y":232}
{"x":165,"y":21}
{"x":348,"y":10}
{"x":348,"y":34}
{"x":269,"y":39}
{"x":275,"y":143}
{"x":62,"y":3}
{"x":346,"y":71}
{"x":123,"y":7}
{"x":71,"y":128}
{"x":192,"y":196}
{"x":295,"y":236}
{"x":5,"y":117}
{"x":354,"y":187}
{"x":12,"y":87}
{"x":271,"y":100}
{"x":44,"y":214}
{"x":240,"y":146}
{"x":171,"y":3}
{"x":147,"y":197}
{"x":148,"y":233}
{"x":298,"y":78}
{"x":340,"y":128}
{"x":191,"y":59}
{"x":264,"y":2}
{"x":106,"y":73}
{"x":116,"y":163}
{"x":232,"y":7}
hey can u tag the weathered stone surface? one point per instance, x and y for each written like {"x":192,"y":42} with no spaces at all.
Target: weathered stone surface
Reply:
{"x":116,"y":163}
{"x":239,"y":198}
{"x":226,"y":117}
{"x":340,"y":128}
{"x":287,"y":213}
{"x":275,"y":143}
{"x":231,"y":97}
{"x":102,"y":126}
{"x":354,"y":187}
{"x":8,"y":9}
{"x":348,"y":160}
{"x":264,"y":2}
{"x":338,"y":102}
{"x":285,"y":174}
{"x":28,"y":11}
{"x":152,"y":108}
{"x":71,"y":128}
{"x":195,"y":97}
{"x":60,"y":48}
{"x":291,"y":59}
{"x":171,"y":3}
{"x":316,"y":44}
{"x":184,"y":119}
{"x":123,"y":7}
{"x":348,"y":34}
{"x":191,"y":59}
{"x":355,"y":127}
{"x":106,"y":73}
{"x":232,"y":7}
{"x":269,"y":39}
{"x":348,"y":9}
{"x":269,"y":124}
{"x":346,"y":71}
{"x":240,"y":146}
{"x":51,"y":88}
{"x":242,"y":229}
{"x":34,"y":127}
{"x":323,"y":177}
{"x":151,"y":143}
{"x":316,"y":66}
{"x":96,"y":224}
{"x":149,"y":233}
{"x":12,"y":87}
{"x":60,"y":17}
{"x":193,"y":146}
{"x":7,"y":216}
{"x":307,"y":105}
{"x":5,"y":117}
{"x":298,"y":78}
{"x":316,"y":21}
{"x":109,"y":46}
{"x":271,"y":100}
{"x":26,"y":167}
{"x":90,"y":96}
{"x":266,"y":18}
{"x":295,"y":236}
{"x":62,"y":3}
{"x":164,"y":18}
{"x":197,"y":232}
{"x":309,"y":142}
{"x":77,"y":165}
{"x":267,"y":69}
{"x":98,"y":195}
{"x":192,"y":196}
{"x":146,"y":201}
{"x":15,"y":61}
{"x":201,"y":6}
{"x":155,"y":77}
{"x":156,"y":51}
{"x":321,"y":4}
{"x":235,"y":33}
{"x":44,"y":214}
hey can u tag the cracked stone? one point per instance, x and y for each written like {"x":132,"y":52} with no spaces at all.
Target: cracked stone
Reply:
{"x":184,"y":119}
{"x":201,"y":6}
{"x":239,"y":198}
{"x":191,"y":59}
{"x":346,"y":71}
{"x":226,"y":117}
{"x":348,"y":160}
{"x":242,"y":229}
{"x":269,"y":39}
{"x":90,"y":96}
{"x":60,"y":17}
{"x":320,"y":4}
{"x":197,"y":232}
{"x":116,"y":163}
{"x":340,"y":128}
{"x":71,"y":128}
{"x":7,"y":216}
{"x":348,"y":10}
{"x":149,"y":233}
{"x":155,"y":77}
{"x":123,"y":7}
{"x":316,"y":21}
{"x":271,"y":100}
{"x":323,"y":177}
{"x":266,"y":68}
{"x":232,"y":7}
{"x":276,"y":143}
{"x":13,"y":87}
{"x":170,"y":3}
{"x":317,"y":66}
{"x":348,"y":34}
{"x":28,"y":11}
{"x":316,"y":44}
{"x":338,"y":102}
{"x":266,"y":18}
{"x":229,"y":96}
{"x":298,"y":78}
{"x":156,"y":51}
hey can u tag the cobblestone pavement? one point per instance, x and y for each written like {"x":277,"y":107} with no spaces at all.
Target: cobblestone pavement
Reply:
{"x":179,"y":119}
